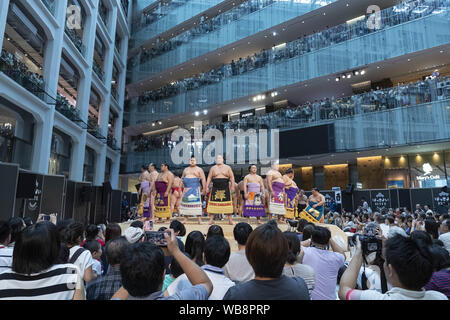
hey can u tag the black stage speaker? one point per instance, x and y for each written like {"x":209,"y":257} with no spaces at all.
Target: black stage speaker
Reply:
{"x":349,"y":189}
{"x":26,"y":186}
{"x":9,"y":174}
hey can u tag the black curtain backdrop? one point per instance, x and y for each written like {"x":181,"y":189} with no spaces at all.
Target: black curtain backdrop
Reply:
{"x":9,"y":174}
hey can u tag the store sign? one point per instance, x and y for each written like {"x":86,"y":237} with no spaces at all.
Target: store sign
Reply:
{"x":248,"y":113}
{"x":380,"y":201}
{"x":338,"y":194}
{"x":428,"y":169}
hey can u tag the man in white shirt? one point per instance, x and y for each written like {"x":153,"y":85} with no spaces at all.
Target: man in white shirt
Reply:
{"x":238,"y":269}
{"x":215,"y":256}
{"x":445,"y":234}
{"x":6,"y":252}
{"x":408,"y":268}
{"x":325,"y":263}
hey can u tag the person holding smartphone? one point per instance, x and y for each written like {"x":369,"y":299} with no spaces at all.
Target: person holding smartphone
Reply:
{"x":138,"y":284}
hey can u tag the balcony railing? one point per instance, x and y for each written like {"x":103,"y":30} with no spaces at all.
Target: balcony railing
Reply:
{"x":98,"y":71}
{"x":50,"y":4}
{"x":341,"y":33}
{"x":114,"y":93}
{"x":76,"y":40}
{"x":124,"y":4}
{"x":94,"y":129}
{"x":112,"y":143}
{"x":72,"y":113}
{"x":19,"y":72}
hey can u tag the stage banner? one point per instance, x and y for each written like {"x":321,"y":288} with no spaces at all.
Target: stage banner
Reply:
{"x":393,"y":193}
{"x":380,"y":200}
{"x":116,"y":206}
{"x":69,"y":200}
{"x":440,"y":200}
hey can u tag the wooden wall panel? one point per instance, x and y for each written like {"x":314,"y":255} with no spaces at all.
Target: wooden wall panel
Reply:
{"x":307,"y":178}
{"x":371,"y":172}
{"x":336,"y":176}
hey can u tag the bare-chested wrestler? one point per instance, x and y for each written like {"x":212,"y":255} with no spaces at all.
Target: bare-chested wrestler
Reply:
{"x":191,"y":200}
{"x":163,"y":190}
{"x":317,"y":201}
{"x":144,"y":193}
{"x":275,"y":183}
{"x":220,"y":199}
{"x":176,"y":195}
{"x":291,"y":194}
{"x":254,"y":195}
{"x":153,"y":176}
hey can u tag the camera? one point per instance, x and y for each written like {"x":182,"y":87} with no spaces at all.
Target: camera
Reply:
{"x":292,"y":223}
{"x":369,"y":243}
{"x":156,"y":238}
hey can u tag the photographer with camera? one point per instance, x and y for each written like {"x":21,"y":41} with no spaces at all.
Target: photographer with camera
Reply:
{"x":371,"y":275}
{"x":408,"y":268}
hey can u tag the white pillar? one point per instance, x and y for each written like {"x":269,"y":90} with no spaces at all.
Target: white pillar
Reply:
{"x":42,"y":143}
{"x":77,"y":158}
{"x":115,"y":167}
{"x":108,"y":68}
{"x":4,"y":5}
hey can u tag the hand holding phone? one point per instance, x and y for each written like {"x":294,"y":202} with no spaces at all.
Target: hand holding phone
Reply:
{"x":171,"y":240}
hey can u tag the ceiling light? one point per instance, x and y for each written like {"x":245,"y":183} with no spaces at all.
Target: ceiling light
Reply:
{"x":349,"y":76}
{"x":205,"y":112}
{"x":153,"y":124}
{"x":197,"y":113}
{"x":363,"y":72}
{"x":274,"y":33}
{"x":159,"y":122}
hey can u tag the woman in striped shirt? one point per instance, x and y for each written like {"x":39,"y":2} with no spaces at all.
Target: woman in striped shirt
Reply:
{"x":35,"y":274}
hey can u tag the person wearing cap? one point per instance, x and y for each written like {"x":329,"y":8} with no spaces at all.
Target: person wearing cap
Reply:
{"x":134,"y":235}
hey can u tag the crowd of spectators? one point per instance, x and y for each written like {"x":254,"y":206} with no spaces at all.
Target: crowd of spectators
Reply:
{"x":414,"y":93}
{"x":67,"y":261}
{"x":306,"y":44}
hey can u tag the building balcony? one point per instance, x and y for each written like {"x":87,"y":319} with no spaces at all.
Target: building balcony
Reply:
{"x":72,"y":113}
{"x":175,"y":13}
{"x":336,"y":50}
{"x":77,"y":41}
{"x":233,"y":25}
{"x":98,"y":71}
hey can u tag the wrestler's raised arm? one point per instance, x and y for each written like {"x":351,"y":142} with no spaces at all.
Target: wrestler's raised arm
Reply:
{"x":269,"y":183}
{"x":322,"y":200}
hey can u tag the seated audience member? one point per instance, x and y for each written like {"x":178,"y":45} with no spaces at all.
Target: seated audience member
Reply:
{"x":214,"y":230}
{"x":195,"y":244}
{"x":35,"y":274}
{"x":112,"y":231}
{"x":326,"y":264}
{"x":95,"y":248}
{"x":238,"y":269}
{"x":134,"y":235}
{"x":17,"y":225}
{"x":180,"y":231}
{"x":432,"y":227}
{"x":394,"y":230}
{"x":111,"y":282}
{"x":142,"y":270}
{"x":175,"y":272}
{"x":77,"y":255}
{"x":93,"y":233}
{"x":408,"y":268}
{"x":6,"y":253}
{"x":293,"y":268}
{"x":440,"y":280}
{"x":267,"y":251}
{"x":216,"y":255}
{"x":301,"y":225}
{"x":445,"y":233}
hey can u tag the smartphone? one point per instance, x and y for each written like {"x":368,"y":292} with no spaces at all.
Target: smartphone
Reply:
{"x":156,"y":238}
{"x":46,"y":217}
